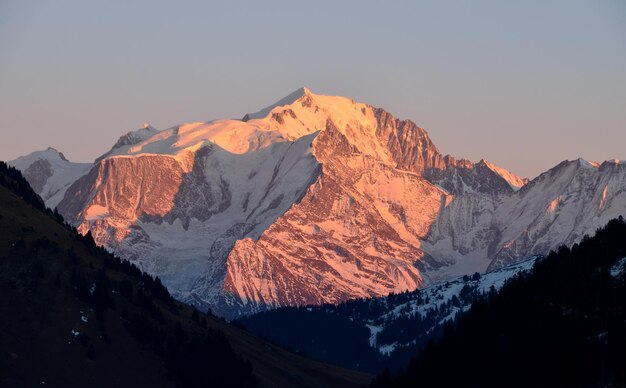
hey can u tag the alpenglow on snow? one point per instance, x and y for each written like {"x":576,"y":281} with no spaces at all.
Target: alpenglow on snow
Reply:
{"x":315,"y":199}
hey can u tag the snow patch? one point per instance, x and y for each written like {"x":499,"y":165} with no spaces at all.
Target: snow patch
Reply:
{"x":618,"y":268}
{"x":603,"y":197}
{"x":96,"y":212}
{"x":554,"y":205}
{"x":374,"y":330}
{"x":387,"y":349}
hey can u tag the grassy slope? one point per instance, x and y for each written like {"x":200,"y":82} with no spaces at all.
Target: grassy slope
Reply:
{"x":38,"y":313}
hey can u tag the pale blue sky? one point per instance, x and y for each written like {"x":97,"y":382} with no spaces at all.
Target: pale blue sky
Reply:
{"x":523,"y":84}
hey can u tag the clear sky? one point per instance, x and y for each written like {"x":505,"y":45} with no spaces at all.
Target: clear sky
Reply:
{"x":523,"y":84}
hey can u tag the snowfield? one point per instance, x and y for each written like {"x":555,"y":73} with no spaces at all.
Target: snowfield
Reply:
{"x":315,"y":199}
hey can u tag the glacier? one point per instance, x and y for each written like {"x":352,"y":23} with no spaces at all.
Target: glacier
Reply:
{"x":315,"y":199}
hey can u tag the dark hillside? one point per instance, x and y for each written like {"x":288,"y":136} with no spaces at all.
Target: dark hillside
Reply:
{"x":372,"y":334}
{"x":72,"y":314}
{"x":561,"y":325}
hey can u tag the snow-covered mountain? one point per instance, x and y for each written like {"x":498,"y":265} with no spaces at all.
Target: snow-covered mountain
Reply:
{"x":558,"y":207}
{"x":49,"y":173}
{"x":319,"y":199}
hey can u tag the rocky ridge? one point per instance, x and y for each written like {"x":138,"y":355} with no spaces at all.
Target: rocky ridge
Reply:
{"x":319,"y":199}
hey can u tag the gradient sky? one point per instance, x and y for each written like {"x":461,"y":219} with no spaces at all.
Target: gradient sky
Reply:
{"x":524,"y":84}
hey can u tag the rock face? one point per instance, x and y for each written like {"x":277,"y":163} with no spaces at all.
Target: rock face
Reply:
{"x":319,"y":199}
{"x":355,"y":233}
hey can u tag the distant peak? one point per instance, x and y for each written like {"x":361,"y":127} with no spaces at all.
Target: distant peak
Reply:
{"x":134,"y":137}
{"x":614,"y":162}
{"x":491,"y":166}
{"x":586,"y":163}
{"x":148,"y":127}
{"x":512,"y":179}
{"x":60,"y":154}
{"x":296,"y":94}
{"x":293,"y":96}
{"x":287,"y":100}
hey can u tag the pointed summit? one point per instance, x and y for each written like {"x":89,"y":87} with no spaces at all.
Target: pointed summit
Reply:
{"x":516,"y":182}
{"x":50,"y":154}
{"x":54,"y":151}
{"x":134,"y":137}
{"x":148,"y":126}
{"x":131,"y":138}
{"x":287,"y":100}
{"x":49,"y":173}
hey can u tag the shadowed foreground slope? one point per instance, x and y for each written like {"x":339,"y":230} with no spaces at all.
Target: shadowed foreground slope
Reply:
{"x":561,"y":324}
{"x":73,"y":315}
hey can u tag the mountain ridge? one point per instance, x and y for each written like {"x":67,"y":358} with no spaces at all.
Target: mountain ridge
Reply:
{"x":359,"y":202}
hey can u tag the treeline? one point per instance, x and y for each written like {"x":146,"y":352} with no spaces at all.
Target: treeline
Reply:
{"x":340,"y":334}
{"x":12,"y":179}
{"x":320,"y":334}
{"x":189,"y":358}
{"x":561,"y":324}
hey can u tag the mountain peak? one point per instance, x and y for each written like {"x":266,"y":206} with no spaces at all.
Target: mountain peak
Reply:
{"x":57,"y":152}
{"x":50,"y":154}
{"x":513,"y":180}
{"x":148,"y":126}
{"x":136,"y":136}
{"x":287,"y":100}
{"x":611,"y":162}
{"x":131,"y":138}
{"x":586,"y":163}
